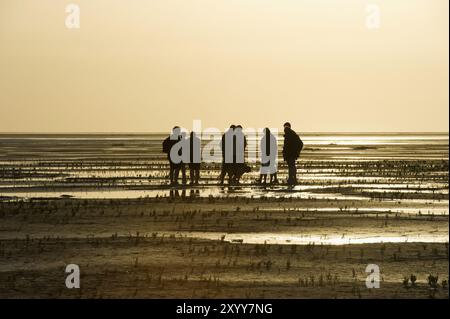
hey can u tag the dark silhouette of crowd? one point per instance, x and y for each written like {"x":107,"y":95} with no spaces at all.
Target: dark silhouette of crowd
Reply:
{"x":185,"y":152}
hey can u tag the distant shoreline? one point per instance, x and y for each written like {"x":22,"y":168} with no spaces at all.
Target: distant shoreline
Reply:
{"x":165,"y":133}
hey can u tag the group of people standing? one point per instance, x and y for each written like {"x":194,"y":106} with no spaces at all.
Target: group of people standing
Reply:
{"x":178,"y":163}
{"x":233,"y":146}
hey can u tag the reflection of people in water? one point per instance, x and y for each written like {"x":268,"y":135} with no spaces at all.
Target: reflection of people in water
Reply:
{"x":194,"y":158}
{"x":194,"y":193}
{"x":269,"y":152}
{"x":174,"y":193}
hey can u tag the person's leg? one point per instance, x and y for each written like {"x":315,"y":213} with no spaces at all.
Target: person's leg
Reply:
{"x":275,"y":178}
{"x":237,"y":178}
{"x":183,"y":173}
{"x":171,"y":172}
{"x":237,"y":173}
{"x":294,"y":173}
{"x":230,"y":172}
{"x":223,"y":172}
{"x":176,"y":173}
{"x":290,"y":171}
{"x":234,"y":174}
{"x":191,"y":174}
{"x":197,"y":174}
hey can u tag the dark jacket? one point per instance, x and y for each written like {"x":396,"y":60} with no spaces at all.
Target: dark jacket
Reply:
{"x":293,"y":145}
{"x":167,"y":147}
{"x":234,"y":148}
{"x":194,"y":149}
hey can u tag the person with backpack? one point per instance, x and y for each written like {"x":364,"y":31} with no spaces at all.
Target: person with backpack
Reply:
{"x":292,"y":147}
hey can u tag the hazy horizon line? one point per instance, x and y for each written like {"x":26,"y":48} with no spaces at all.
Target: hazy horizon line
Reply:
{"x":166,"y":132}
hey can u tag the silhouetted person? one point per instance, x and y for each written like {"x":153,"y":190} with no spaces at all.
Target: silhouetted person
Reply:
{"x":239,"y":166}
{"x":292,"y":147}
{"x":227,"y":153}
{"x":182,"y":166}
{"x":167,"y":144}
{"x":175,"y":164}
{"x":269,"y":153}
{"x":194,"y":158}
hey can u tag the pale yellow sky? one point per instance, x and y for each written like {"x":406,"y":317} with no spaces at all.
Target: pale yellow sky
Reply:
{"x":146,"y":65}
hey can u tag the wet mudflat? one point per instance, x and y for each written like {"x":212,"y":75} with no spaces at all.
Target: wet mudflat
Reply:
{"x":103,"y":202}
